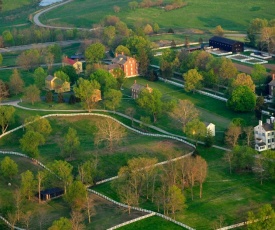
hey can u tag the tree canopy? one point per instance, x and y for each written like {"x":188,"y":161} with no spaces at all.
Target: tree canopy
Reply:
{"x":95,"y":53}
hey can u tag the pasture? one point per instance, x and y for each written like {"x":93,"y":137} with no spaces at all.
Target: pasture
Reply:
{"x":199,"y":14}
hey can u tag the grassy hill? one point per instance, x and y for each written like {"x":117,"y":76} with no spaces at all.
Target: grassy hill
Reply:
{"x":9,"y":5}
{"x":200,"y":14}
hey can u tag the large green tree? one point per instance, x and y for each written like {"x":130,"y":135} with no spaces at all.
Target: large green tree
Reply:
{"x":30,"y":143}
{"x":95,"y":53}
{"x":9,"y":168}
{"x":151,"y":102}
{"x":85,"y":90}
{"x":196,"y":129}
{"x":39,"y":77}
{"x":112,"y":99}
{"x":192,"y":80}
{"x":64,"y":172}
{"x":38,"y":124}
{"x":105,"y":79}
{"x":32,"y":94}
{"x":71,"y":143}
{"x":6,"y":117}
{"x":243,"y":158}
{"x":76,"y":195}
{"x":242,"y":99}
{"x":27,"y":184}
{"x":61,"y":224}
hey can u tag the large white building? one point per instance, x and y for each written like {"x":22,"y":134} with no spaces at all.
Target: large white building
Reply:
{"x":264,"y":134}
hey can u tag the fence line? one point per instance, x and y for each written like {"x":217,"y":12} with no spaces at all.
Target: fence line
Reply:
{"x":10,"y":225}
{"x":199,"y":91}
{"x":131,"y":221}
{"x":141,"y":210}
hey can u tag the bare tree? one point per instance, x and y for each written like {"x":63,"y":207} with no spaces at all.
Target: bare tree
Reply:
{"x":76,"y":219}
{"x":40,"y":177}
{"x":232,"y":135}
{"x":131,"y":112}
{"x":109,"y":131}
{"x":228,"y":157}
{"x":191,"y":172}
{"x":184,"y":112}
{"x":4,"y":91}
{"x":18,"y":202}
{"x":202,"y":171}
{"x":11,"y":216}
{"x":89,"y":206}
{"x":26,"y":217}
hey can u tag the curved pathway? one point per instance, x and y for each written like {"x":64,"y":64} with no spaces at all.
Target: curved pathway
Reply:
{"x":38,"y":23}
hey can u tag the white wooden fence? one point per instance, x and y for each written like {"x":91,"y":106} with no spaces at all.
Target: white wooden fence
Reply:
{"x":10,"y":225}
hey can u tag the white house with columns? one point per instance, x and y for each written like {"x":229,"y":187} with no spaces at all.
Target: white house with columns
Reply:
{"x":264,"y":134}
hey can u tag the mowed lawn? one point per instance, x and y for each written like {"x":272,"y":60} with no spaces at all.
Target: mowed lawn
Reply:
{"x":12,"y":5}
{"x":199,"y":14}
{"x":225,"y":195}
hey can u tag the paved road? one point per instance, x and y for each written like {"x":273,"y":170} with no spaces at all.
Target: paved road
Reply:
{"x":38,"y":23}
{"x":38,"y":45}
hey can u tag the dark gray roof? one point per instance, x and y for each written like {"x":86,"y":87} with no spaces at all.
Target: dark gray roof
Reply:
{"x":49,"y":77}
{"x":112,"y":66}
{"x":272,"y":83}
{"x":138,"y":87}
{"x":51,"y":190}
{"x":224,"y":40}
{"x":268,"y":127}
{"x":120,"y":59}
{"x":261,"y":144}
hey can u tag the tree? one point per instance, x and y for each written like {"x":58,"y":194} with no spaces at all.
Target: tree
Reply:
{"x":71,"y":143}
{"x":254,"y":29}
{"x":263,"y":219}
{"x":228,"y":157}
{"x":131,"y":112}
{"x":4,"y":91}
{"x":226,"y":70}
{"x":64,"y":171}
{"x":249,"y":131}
{"x":269,"y":164}
{"x":175,"y":199}
{"x":243,"y":158}
{"x":267,"y":38}
{"x":17,"y":196}
{"x":32,"y":94}
{"x":109,"y":131}
{"x":184,"y":112}
{"x":196,"y":130}
{"x":116,"y":9}
{"x":76,"y":219}
{"x":9,"y":168}
{"x":71,"y":72}
{"x":243,"y":79}
{"x":219,"y":31}
{"x":109,"y":34}
{"x":87,"y":171}
{"x":156,"y":28}
{"x":258,"y":73}
{"x":209,"y":139}
{"x":40,"y":176}
{"x":85,"y":90}
{"x":133,"y":5}
{"x":49,"y":60}
{"x":202,"y":171}
{"x":242,"y":99}
{"x":61,"y":224}
{"x":27,"y":184}
{"x":38,"y":124}
{"x":49,"y":97}
{"x":186,"y":42}
{"x":61,"y":75}
{"x":119,"y":75}
{"x":105,"y":79}
{"x":95,"y":52}
{"x":56,"y":51}
{"x":7,"y":37}
{"x":112,"y":99}
{"x":29,"y":59}
{"x":6,"y":117}
{"x":76,"y":195}
{"x":1,"y":59}
{"x":123,"y":50}
{"x":232,"y":135}
{"x":39,"y":77}
{"x":148,"y":29}
{"x":192,"y":80}
{"x":30,"y":143}
{"x":60,"y":98}
{"x":16,"y":83}
{"x":151,"y":102}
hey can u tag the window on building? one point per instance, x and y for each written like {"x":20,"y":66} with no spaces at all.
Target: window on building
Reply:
{"x":269,"y":140}
{"x":256,"y":132}
{"x":263,"y":134}
{"x":272,"y":139}
{"x":268,"y":134}
{"x":269,"y":146}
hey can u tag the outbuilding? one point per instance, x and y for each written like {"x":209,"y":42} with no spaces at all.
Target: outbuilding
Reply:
{"x":50,"y":193}
{"x":226,"y":44}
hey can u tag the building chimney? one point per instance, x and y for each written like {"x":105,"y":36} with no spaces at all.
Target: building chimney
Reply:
{"x":116,"y":54}
{"x":122,"y":53}
{"x":268,"y":121}
{"x":272,"y":119}
{"x":260,"y":123}
{"x":273,"y":76}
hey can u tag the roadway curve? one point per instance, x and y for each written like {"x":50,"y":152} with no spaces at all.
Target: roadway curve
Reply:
{"x":38,"y":23}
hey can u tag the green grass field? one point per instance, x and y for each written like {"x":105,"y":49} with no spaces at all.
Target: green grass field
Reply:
{"x":199,"y":14}
{"x":224,"y":194}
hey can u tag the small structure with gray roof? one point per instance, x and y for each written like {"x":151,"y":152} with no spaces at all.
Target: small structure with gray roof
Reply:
{"x":137,"y":88}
